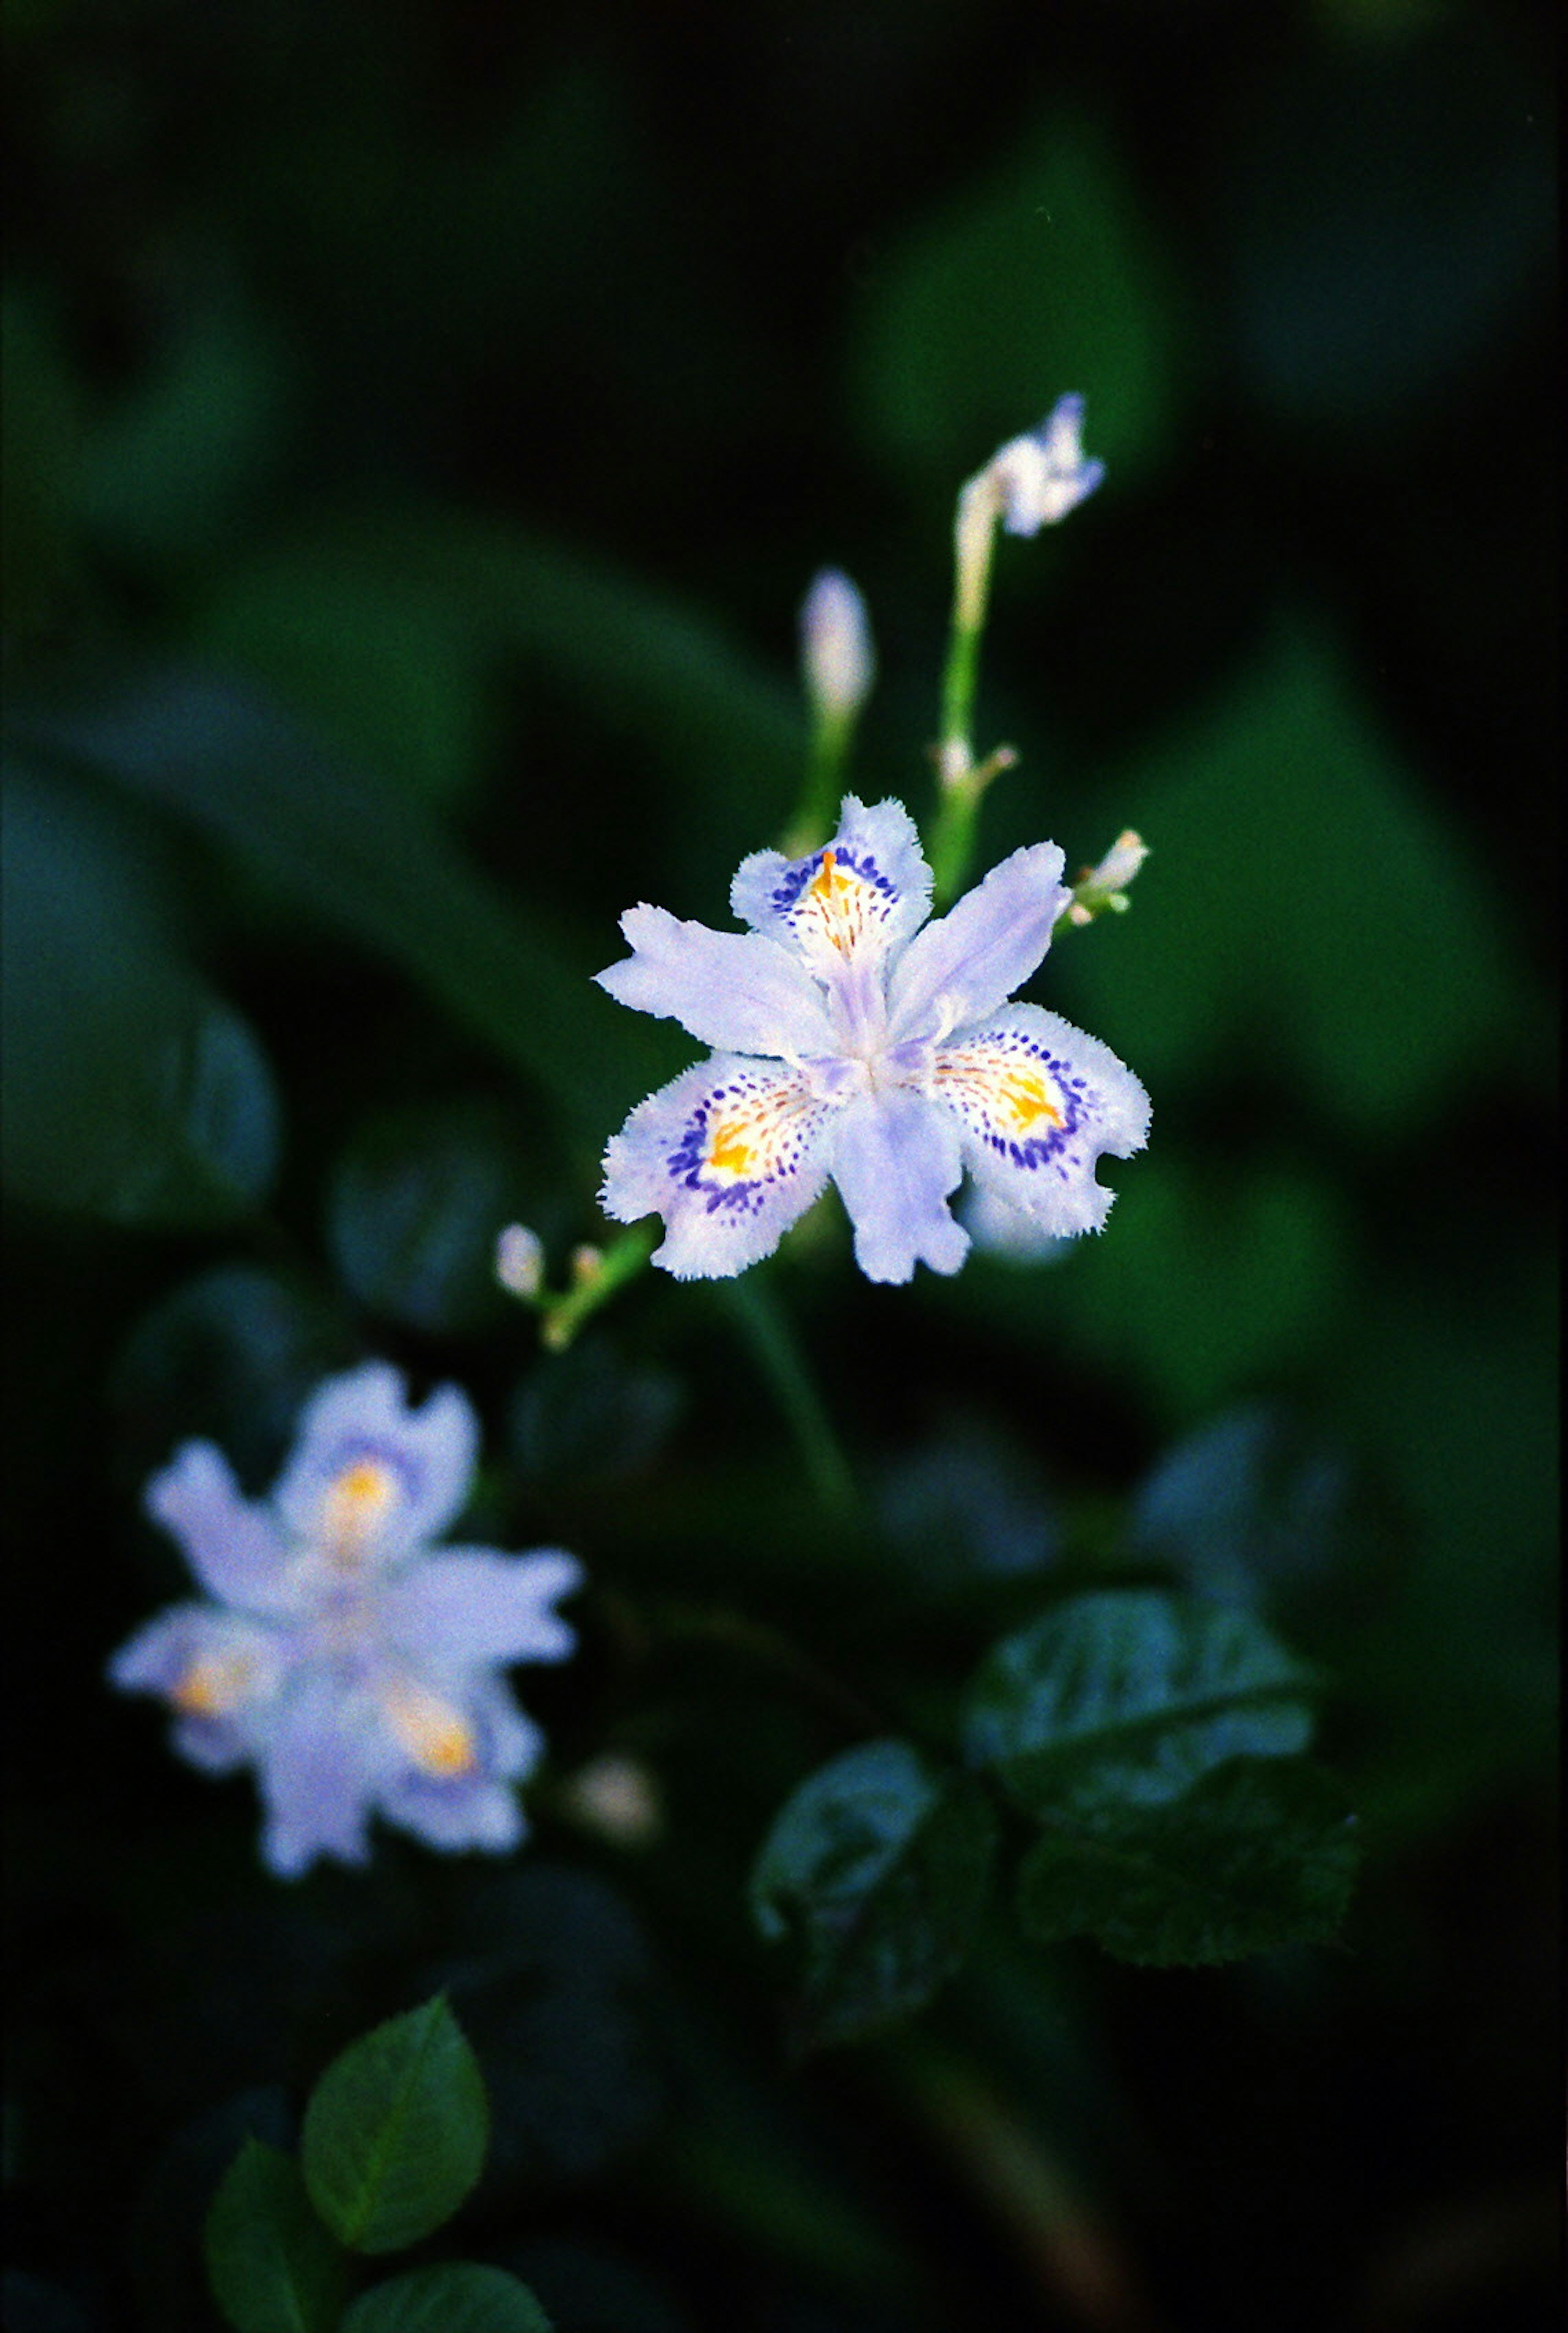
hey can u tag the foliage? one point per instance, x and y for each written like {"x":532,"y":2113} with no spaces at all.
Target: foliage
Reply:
{"x":1124,"y":1673}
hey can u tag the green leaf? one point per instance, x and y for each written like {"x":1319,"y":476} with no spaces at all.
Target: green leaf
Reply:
{"x":1125,"y":1697}
{"x":414,"y":1207}
{"x":1259,"y":1853}
{"x":642,"y":666}
{"x":879,"y":1866}
{"x":395,"y":2132}
{"x":132,"y":1093}
{"x":372,"y":862}
{"x":1216,"y":1273}
{"x":1304,"y":910}
{"x":1254,"y":1508}
{"x":171,"y":467}
{"x":388,"y":665}
{"x":273,"y":2266}
{"x":1045,"y":278}
{"x":462,"y":2299}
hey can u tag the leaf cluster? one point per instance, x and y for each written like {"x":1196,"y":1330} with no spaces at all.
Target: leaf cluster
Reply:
{"x":393,"y":2141}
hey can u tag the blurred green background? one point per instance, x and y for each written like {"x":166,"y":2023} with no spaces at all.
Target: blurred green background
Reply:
{"x":421,"y":423}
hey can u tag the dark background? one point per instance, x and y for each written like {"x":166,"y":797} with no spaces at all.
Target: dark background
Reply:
{"x":422,"y":423}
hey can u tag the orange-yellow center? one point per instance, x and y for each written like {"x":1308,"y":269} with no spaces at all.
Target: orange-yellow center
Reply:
{"x":357,"y":1502}
{"x":212,"y":1687}
{"x":729,"y":1154}
{"x":430,"y":1730}
{"x":1028,"y":1099}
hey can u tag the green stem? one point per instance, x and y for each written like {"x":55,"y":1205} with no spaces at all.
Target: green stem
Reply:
{"x":959,"y":680}
{"x":951,"y":843}
{"x":816,"y":813}
{"x":624,"y":1259}
{"x":767,"y":1329}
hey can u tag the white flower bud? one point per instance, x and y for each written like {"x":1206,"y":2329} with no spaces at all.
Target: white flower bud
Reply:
{"x":616,"y":1797}
{"x":1105,"y":886}
{"x":836,"y":650}
{"x":520,"y":1260}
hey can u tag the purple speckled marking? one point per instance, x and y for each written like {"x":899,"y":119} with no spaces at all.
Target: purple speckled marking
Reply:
{"x":858,"y":862}
{"x":688,"y":1160}
{"x":1031,"y":1151}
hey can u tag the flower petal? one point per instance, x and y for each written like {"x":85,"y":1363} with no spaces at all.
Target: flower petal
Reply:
{"x":1038,"y":1102}
{"x":359,"y":1425}
{"x":205,"y":1659}
{"x":736,"y":990}
{"x":476,"y":1811}
{"x":971,"y":961}
{"x":232,"y":1545}
{"x":845,"y":907}
{"x":318,"y":1768}
{"x":895,"y":1159}
{"x":1043,"y":475}
{"x":729,"y":1154}
{"x":468,"y":1605}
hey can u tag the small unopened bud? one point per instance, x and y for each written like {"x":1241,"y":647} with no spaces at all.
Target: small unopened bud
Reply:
{"x":520,"y":1260}
{"x":836,"y":649}
{"x":616,"y":1797}
{"x":1105,"y":886}
{"x":587,"y":1264}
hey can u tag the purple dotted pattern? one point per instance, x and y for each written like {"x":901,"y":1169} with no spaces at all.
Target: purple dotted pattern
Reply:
{"x":966,"y":1090}
{"x":781,"y":1135}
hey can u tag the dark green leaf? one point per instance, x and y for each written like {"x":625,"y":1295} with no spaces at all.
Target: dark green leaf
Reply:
{"x":1251,"y":1508}
{"x":641,"y":664}
{"x":879,"y":1866}
{"x":171,"y":466}
{"x":1125,"y":1697}
{"x":1304,"y":909}
{"x":414,"y":1207}
{"x":273,"y":2266}
{"x":1045,"y":279}
{"x":1212,"y":1275}
{"x":395,"y":2132}
{"x":372,"y":862}
{"x":462,"y":2299}
{"x":1259,"y":1853}
{"x":388,"y":665}
{"x":131,"y":1093}
{"x":967,"y":1509}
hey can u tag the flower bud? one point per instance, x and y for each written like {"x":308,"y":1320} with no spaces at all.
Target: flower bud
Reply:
{"x":836,"y":649}
{"x":520,"y":1260}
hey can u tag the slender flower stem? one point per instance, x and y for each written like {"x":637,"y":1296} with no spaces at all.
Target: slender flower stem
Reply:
{"x":961,"y":780}
{"x":766,"y":1330}
{"x":621,"y":1260}
{"x":817,"y":811}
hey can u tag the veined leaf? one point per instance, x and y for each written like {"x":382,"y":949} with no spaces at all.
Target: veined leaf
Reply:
{"x":1259,"y":1853}
{"x":395,"y":2132}
{"x":1125,"y":1698}
{"x":879,"y":1866}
